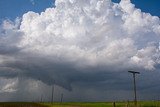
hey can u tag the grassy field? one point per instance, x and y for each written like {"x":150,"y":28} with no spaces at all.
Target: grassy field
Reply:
{"x":91,"y":104}
{"x":106,"y":104}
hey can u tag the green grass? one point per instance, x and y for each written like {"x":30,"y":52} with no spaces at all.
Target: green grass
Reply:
{"x":85,"y":104}
{"x":106,"y":104}
{"x":150,"y":104}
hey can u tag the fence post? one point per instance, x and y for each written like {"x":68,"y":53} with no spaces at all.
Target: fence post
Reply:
{"x":128,"y":103}
{"x":114,"y":104}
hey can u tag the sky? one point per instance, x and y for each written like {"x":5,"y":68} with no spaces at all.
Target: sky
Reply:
{"x":83,"y":48}
{"x":12,"y":9}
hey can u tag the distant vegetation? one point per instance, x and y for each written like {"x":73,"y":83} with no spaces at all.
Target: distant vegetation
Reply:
{"x":21,"y":104}
{"x":90,"y":104}
{"x":106,"y":104}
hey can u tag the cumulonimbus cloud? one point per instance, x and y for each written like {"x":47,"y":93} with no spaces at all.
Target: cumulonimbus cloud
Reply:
{"x":79,"y":37}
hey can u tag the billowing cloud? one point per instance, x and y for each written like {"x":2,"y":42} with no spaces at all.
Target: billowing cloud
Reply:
{"x":79,"y":40}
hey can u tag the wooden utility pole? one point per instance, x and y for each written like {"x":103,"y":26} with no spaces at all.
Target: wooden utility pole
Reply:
{"x":52,"y":98}
{"x":61,"y":97}
{"x":41,"y":98}
{"x":134,"y":83}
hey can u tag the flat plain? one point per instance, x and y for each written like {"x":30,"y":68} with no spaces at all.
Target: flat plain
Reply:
{"x":81,"y":104}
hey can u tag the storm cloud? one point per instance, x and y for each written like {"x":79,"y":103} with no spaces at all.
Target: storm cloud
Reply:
{"x":79,"y":41}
